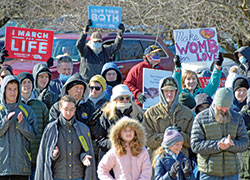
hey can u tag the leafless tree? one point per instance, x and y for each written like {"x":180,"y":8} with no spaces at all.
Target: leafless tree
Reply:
{"x":230,"y":17}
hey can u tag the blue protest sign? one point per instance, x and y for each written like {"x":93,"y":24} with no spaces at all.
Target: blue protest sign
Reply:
{"x":105,"y":16}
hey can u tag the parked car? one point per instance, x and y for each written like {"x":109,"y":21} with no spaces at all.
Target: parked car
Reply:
{"x":130,"y":54}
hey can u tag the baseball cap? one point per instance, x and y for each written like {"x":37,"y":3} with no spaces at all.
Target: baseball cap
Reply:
{"x":152,"y":49}
{"x":169,"y":84}
{"x":96,"y":36}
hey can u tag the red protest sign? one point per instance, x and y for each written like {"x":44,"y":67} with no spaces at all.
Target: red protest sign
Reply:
{"x":205,"y":80}
{"x":27,"y":43}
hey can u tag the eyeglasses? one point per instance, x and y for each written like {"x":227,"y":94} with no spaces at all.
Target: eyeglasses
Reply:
{"x":121,"y":98}
{"x":97,"y":88}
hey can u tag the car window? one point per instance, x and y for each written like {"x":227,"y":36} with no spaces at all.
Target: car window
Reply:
{"x":61,"y":46}
{"x":146,"y":44}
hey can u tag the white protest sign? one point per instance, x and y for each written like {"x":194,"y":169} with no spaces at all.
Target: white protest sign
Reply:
{"x":151,"y":79}
{"x":196,"y":45}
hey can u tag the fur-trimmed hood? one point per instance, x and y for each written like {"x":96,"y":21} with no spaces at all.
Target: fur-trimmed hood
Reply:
{"x":127,"y":122}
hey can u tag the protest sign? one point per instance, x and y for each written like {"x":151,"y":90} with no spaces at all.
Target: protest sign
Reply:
{"x":205,"y":80}
{"x":196,"y":45}
{"x":105,"y":16}
{"x":31,"y":44}
{"x":151,"y":79}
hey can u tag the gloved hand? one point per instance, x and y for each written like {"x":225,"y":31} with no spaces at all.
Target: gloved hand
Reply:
{"x":46,"y":98}
{"x":187,"y":168}
{"x":121,"y":28}
{"x":3,"y":55}
{"x":177,"y":61}
{"x":90,"y":23}
{"x":141,"y":98}
{"x":174,"y":169}
{"x":50,"y":62}
{"x":220,"y":61}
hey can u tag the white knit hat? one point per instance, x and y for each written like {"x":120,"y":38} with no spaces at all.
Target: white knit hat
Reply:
{"x":120,"y":90}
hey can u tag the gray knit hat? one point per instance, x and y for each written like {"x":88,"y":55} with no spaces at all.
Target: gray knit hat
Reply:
{"x":223,"y":97}
{"x":171,"y":137}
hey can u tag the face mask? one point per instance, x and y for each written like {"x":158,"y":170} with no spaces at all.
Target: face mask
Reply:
{"x":242,"y":59}
{"x":96,"y":47}
{"x":123,"y":106}
{"x":63,"y":77}
{"x":156,"y":58}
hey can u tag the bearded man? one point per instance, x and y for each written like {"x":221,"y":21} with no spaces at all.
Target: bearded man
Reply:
{"x":217,"y":135}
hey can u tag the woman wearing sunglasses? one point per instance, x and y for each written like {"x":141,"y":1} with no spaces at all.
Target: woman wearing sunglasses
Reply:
{"x":120,"y":105}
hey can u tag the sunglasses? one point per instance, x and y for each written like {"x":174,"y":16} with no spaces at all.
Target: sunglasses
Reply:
{"x":98,"y":88}
{"x":121,"y":98}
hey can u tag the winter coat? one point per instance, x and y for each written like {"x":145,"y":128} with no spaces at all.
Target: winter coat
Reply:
{"x":245,"y":156}
{"x":99,"y":102}
{"x":84,"y":109}
{"x":126,"y":166}
{"x":45,"y":95}
{"x":237,"y":105}
{"x":103,"y":124}
{"x":91,"y":64}
{"x":109,"y":87}
{"x":160,"y":116}
{"x":49,"y":142}
{"x":55,"y":86}
{"x":134,"y":79}
{"x":210,"y":89}
{"x":205,"y":135}
{"x":42,"y":116}
{"x":163,"y":166}
{"x":15,"y":138}
{"x":243,"y":70}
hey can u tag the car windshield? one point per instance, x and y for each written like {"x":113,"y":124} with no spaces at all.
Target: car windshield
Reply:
{"x":63,"y":47}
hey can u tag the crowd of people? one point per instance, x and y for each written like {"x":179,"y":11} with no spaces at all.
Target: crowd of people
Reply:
{"x":90,"y":125}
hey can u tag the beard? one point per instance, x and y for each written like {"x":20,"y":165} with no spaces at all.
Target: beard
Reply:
{"x":222,"y":117}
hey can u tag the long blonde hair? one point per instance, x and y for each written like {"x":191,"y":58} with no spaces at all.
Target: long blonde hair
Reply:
{"x":159,"y":151}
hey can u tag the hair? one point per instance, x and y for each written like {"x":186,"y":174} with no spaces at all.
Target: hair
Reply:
{"x":65,"y":59}
{"x":189,"y":74}
{"x":233,"y":69}
{"x":159,"y":151}
{"x":4,"y":67}
{"x":134,"y":144}
{"x":66,"y":98}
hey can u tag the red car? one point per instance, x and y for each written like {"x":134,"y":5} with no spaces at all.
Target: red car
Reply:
{"x":130,"y":54}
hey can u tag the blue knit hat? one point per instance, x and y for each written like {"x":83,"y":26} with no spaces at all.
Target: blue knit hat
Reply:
{"x":171,"y":137}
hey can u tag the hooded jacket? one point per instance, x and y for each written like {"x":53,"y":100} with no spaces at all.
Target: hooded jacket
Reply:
{"x":237,"y":105}
{"x":160,"y":116}
{"x":243,"y":70}
{"x":45,"y":95}
{"x":105,"y":69}
{"x":207,"y":132}
{"x":49,"y":141}
{"x":15,"y":157}
{"x":91,"y":64}
{"x":127,"y":166}
{"x":84,"y":109}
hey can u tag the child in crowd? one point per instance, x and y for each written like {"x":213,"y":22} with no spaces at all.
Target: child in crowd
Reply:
{"x":128,"y":156}
{"x":169,"y":162}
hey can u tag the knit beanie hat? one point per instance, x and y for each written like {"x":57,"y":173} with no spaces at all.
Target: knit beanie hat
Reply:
{"x":187,"y":100}
{"x":100,"y":79}
{"x":239,"y":83}
{"x":23,"y":75}
{"x":120,"y":90}
{"x":200,"y":99}
{"x":223,"y":97}
{"x":171,"y":137}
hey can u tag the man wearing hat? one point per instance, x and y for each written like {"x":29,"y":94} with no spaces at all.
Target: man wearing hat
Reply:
{"x":168,"y":112}
{"x":240,"y":87}
{"x":218,"y":134}
{"x":76,"y":87}
{"x":134,"y":78}
{"x":94,"y":54}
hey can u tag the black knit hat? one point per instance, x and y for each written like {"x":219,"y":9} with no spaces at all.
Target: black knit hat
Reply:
{"x":239,"y":83}
{"x":187,"y":100}
{"x":23,"y":75}
{"x":73,"y":83}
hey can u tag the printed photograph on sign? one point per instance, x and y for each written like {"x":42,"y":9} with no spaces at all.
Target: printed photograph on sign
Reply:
{"x":196,"y":45}
{"x":105,"y":16}
{"x":151,"y":79}
{"x":31,"y":44}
